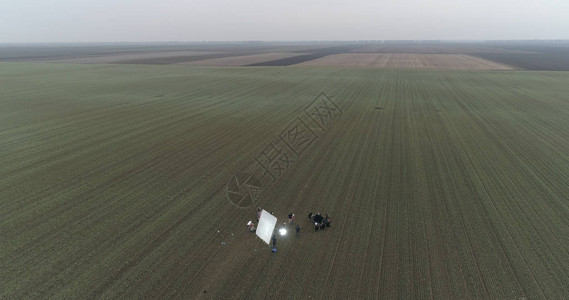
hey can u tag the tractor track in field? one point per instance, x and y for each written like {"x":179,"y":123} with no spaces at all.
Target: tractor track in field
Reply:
{"x":502,"y":220}
{"x":386,"y":209}
{"x":116,"y":180}
{"x":351,"y":199}
{"x":418,"y":115}
{"x":375,"y":220}
{"x":151,"y":247}
{"x":139,"y":133}
{"x":212,"y":195}
{"x":136,"y":128}
{"x":499,"y":143}
{"x":322,"y":161}
{"x":464,"y":228}
{"x":346,"y":107}
{"x":179,"y":271}
{"x":479,"y":179}
{"x":232,"y":214}
{"x":209,"y":153}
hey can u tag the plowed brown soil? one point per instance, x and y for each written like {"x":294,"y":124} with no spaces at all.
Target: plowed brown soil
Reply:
{"x":407,"y":61}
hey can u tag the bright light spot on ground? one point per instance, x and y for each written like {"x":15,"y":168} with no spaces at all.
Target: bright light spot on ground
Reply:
{"x":282,"y":231}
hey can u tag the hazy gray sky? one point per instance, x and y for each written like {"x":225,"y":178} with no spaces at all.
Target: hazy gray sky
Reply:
{"x":235,"y":20}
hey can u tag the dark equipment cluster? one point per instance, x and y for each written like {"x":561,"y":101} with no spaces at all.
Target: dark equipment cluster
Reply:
{"x":320,"y":222}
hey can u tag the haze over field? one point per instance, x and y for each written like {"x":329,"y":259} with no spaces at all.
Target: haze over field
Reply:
{"x":225,"y":20}
{"x":140,"y":139}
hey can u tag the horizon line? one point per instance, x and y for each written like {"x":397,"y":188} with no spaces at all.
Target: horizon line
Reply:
{"x":293,"y":41}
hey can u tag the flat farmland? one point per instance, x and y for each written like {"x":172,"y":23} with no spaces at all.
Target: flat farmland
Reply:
{"x":289,"y":61}
{"x":439,"y":184}
{"x":156,"y":53}
{"x":242,"y":60}
{"x":149,"y":57}
{"x":407,"y":61}
{"x":446,"y":48}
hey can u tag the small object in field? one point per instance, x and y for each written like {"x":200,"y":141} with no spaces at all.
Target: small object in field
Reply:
{"x":223,"y":243}
{"x":274,"y":250}
{"x":318,"y":218}
{"x":251,"y":226}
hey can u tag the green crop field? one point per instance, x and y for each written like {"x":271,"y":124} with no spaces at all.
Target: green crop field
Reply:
{"x":439,"y":184}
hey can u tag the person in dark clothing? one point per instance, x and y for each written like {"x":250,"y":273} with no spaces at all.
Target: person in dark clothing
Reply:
{"x":318,"y":218}
{"x":322,"y":226}
{"x":310,"y":215}
{"x":274,"y":241}
{"x":327,"y":220}
{"x":316,"y":226}
{"x":297,"y":230}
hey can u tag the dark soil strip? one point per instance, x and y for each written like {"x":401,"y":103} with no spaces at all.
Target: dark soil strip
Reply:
{"x":333,"y":49}
{"x":544,"y":61}
{"x":290,"y":60}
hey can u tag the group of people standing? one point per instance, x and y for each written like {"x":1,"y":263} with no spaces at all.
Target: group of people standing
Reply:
{"x":320,"y":222}
{"x":291,"y":219}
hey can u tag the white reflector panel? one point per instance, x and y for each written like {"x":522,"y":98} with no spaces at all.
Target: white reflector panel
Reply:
{"x":266,"y":226}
